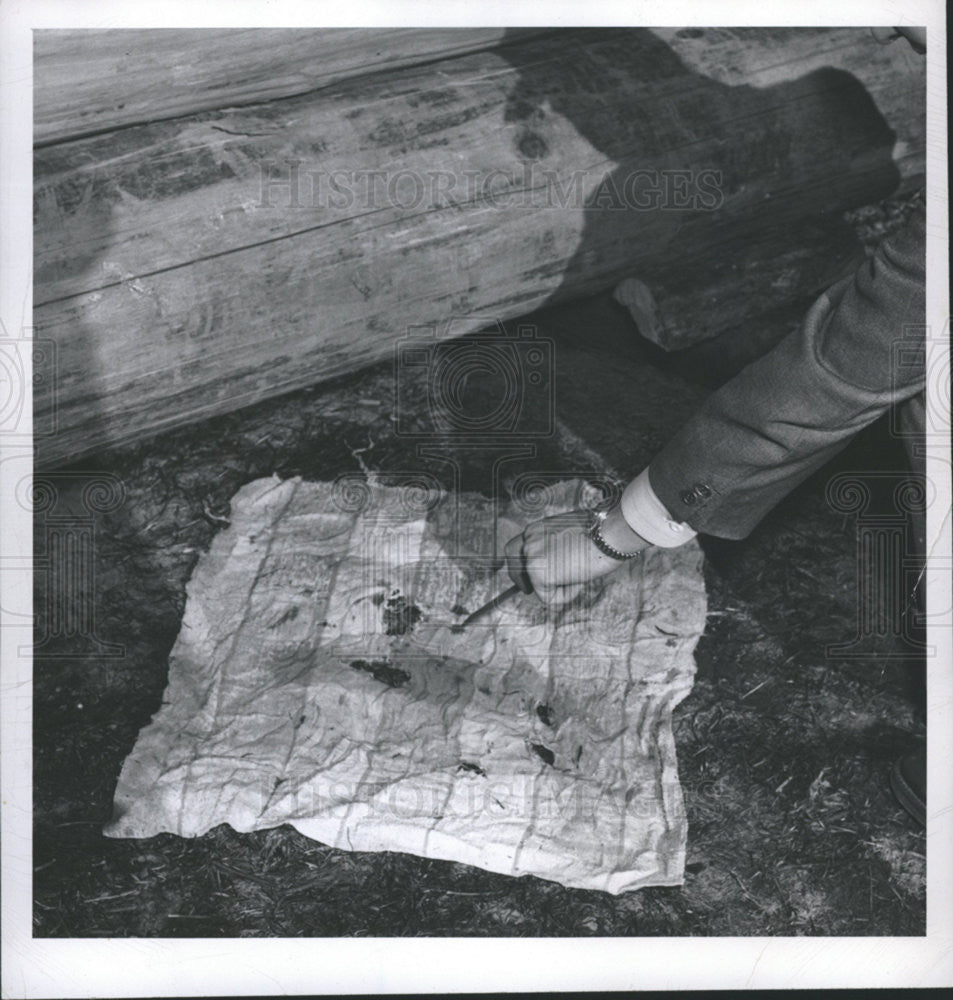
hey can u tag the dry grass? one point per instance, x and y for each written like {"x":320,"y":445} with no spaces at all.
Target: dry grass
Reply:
{"x":783,"y":751}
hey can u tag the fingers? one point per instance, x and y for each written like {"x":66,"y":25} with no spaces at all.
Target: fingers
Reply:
{"x":559,"y":595}
{"x":528,"y":567}
{"x":516,"y":564}
{"x":529,"y":561}
{"x":917,"y":37}
{"x":553,"y":555}
{"x":884,"y":35}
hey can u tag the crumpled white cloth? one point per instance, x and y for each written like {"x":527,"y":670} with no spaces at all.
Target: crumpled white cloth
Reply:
{"x":316,"y":681}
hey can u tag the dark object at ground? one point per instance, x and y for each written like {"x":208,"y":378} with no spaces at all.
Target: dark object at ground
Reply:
{"x":908,"y":781}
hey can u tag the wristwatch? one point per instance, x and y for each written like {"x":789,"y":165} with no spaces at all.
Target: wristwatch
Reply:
{"x":595,"y":533}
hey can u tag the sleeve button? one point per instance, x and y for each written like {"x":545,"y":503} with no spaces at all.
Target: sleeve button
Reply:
{"x":702,"y":490}
{"x":688,"y":498}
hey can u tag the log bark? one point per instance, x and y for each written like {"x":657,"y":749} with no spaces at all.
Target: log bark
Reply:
{"x":188,"y":267}
{"x":89,"y":81}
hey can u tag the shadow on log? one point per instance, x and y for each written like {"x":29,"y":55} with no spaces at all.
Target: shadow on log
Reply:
{"x":740,"y":176}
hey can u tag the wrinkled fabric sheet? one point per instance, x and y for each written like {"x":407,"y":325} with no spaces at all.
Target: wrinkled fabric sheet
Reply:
{"x":317,"y":681}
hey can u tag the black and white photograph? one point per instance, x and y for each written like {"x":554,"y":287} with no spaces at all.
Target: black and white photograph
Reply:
{"x":474,"y":476}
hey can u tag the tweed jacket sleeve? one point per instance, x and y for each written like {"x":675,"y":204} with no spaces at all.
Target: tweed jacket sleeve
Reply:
{"x":858,"y":351}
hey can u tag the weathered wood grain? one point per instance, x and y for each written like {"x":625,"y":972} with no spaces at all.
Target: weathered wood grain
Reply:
{"x":89,"y":80}
{"x":178,"y":282}
{"x":755,"y":272}
{"x":893,"y":75}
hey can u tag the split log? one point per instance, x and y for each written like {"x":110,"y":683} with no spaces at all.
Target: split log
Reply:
{"x":89,"y":81}
{"x":188,"y":267}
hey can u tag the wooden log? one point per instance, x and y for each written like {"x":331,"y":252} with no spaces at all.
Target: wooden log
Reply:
{"x":755,"y":273}
{"x":89,"y":81}
{"x":761,"y":57}
{"x":189,"y":267}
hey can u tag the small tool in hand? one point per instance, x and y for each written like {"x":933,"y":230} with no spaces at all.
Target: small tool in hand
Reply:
{"x":495,"y":602}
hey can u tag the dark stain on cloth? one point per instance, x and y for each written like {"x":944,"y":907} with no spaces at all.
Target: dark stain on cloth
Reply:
{"x":382,"y":671}
{"x":400,"y":615}
{"x":545,"y":714}
{"x":288,"y":616}
{"x":544,"y":753}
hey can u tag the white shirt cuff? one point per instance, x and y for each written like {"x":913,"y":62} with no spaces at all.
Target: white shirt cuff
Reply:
{"x":647,"y":516}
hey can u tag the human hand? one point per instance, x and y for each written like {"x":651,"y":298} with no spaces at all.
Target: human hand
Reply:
{"x":556,"y":555}
{"x":917,"y":37}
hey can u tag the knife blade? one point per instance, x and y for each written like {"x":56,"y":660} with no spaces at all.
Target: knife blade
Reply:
{"x":484,"y":609}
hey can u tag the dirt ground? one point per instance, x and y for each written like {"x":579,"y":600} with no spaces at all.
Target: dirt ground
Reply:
{"x":783,"y":748}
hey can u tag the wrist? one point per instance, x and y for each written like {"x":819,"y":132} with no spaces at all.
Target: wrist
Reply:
{"x":616,"y":532}
{"x":643,"y":512}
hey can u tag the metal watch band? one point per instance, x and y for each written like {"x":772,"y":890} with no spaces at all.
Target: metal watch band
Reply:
{"x":597,"y":517}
